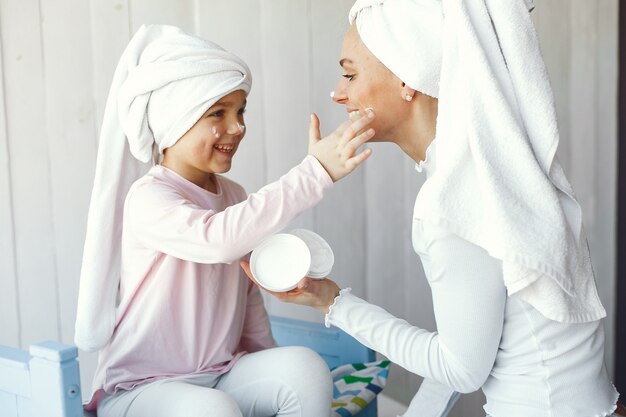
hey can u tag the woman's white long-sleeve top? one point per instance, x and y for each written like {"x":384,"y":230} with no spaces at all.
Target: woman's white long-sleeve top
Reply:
{"x":525,"y":364}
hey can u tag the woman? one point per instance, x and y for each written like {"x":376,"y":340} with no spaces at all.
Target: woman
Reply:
{"x":496,"y":225}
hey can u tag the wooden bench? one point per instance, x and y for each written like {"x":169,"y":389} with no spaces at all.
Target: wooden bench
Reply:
{"x":45,"y":381}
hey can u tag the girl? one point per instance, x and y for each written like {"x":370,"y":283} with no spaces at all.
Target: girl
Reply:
{"x":496,"y":224}
{"x":180,"y":331}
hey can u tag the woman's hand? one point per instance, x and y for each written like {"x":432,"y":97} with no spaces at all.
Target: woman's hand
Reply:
{"x":337,"y":151}
{"x":318,"y":293}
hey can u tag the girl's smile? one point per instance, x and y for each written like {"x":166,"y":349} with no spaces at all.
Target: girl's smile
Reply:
{"x":209,"y":146}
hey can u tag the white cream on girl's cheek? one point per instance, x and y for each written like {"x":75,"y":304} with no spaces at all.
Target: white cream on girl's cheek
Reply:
{"x":242,"y":127}
{"x":216,"y":133}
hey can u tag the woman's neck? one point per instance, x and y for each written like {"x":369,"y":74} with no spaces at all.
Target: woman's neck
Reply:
{"x":415,"y":136}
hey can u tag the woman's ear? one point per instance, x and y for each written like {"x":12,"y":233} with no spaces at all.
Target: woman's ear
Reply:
{"x":407,"y":92}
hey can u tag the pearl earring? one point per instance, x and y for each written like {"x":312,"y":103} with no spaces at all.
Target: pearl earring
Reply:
{"x":408,"y":97}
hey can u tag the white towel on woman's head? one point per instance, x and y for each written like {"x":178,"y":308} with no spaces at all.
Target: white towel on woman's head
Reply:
{"x":497,"y":182}
{"x":389,"y":29}
{"x":164,"y":82}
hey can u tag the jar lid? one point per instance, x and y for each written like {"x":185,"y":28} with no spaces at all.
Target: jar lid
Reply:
{"x":322,"y":257}
{"x":280,"y":261}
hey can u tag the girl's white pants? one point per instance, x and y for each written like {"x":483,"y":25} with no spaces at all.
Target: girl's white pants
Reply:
{"x":287,"y":382}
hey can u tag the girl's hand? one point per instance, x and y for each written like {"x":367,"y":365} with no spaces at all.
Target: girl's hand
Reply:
{"x":337,"y":151}
{"x":318,"y":293}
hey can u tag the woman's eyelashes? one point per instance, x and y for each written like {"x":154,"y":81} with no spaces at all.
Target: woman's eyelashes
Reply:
{"x":349,"y":77}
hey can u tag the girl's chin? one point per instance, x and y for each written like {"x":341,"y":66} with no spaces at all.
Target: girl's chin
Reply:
{"x":222,"y":169}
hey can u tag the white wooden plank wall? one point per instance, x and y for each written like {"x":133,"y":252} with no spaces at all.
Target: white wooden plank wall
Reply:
{"x":57,"y":58}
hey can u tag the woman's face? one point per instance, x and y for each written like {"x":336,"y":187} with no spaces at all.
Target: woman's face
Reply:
{"x":367,"y":83}
{"x":209,"y":146}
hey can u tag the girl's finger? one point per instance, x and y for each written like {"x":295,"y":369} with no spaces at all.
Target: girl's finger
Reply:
{"x":342,"y":128}
{"x":356,"y":127}
{"x":314,"y":129}
{"x":358,"y":159}
{"x":351,"y":147}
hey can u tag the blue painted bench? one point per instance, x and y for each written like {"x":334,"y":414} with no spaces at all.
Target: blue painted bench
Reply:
{"x":41,"y":382}
{"x":45,"y":381}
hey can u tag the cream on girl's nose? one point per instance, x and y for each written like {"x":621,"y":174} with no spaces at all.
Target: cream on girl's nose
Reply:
{"x":236,"y":129}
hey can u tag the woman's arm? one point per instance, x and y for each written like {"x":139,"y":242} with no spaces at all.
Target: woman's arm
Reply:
{"x":468,"y":300}
{"x":433,"y":399}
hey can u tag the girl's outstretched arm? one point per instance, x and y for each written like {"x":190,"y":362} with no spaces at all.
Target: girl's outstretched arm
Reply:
{"x":163,"y":219}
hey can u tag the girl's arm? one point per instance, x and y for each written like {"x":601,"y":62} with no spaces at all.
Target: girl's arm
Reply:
{"x":164,"y":220}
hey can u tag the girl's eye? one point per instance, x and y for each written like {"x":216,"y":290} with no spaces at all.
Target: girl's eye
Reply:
{"x":348,"y":76}
{"x":241,"y":111}
{"x":218,"y":113}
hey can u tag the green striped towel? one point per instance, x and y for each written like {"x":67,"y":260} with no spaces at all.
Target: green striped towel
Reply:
{"x":356,"y":385}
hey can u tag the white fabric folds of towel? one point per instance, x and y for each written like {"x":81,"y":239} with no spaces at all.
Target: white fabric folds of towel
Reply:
{"x":405,"y":36}
{"x":498,"y":183}
{"x":165,"y":81}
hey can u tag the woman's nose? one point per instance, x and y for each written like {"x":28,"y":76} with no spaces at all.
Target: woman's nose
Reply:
{"x":339,"y":95}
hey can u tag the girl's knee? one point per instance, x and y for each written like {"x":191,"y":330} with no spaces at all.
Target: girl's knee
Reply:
{"x":307,"y":363}
{"x":306,"y":358}
{"x":214,"y":404}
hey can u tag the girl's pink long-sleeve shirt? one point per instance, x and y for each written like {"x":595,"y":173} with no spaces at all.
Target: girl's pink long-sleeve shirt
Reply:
{"x":185,"y":305}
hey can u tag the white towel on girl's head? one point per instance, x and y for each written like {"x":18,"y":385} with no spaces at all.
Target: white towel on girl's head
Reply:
{"x":164,"y":82}
{"x":497,"y":183}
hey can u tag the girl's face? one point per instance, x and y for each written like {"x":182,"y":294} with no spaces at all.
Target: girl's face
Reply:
{"x":209,"y":146}
{"x":367,"y":83}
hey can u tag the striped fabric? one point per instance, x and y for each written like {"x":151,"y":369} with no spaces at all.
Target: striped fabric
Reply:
{"x":356,"y":385}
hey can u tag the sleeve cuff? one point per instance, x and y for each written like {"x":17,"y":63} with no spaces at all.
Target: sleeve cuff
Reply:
{"x":319,"y":171}
{"x":334,"y":305}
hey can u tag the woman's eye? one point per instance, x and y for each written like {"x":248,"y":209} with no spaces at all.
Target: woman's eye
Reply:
{"x":218,"y":113}
{"x":349,"y":77}
{"x":241,"y":111}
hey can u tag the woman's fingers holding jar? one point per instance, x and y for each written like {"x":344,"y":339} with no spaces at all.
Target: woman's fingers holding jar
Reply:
{"x":320,"y":293}
{"x":317,"y":293}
